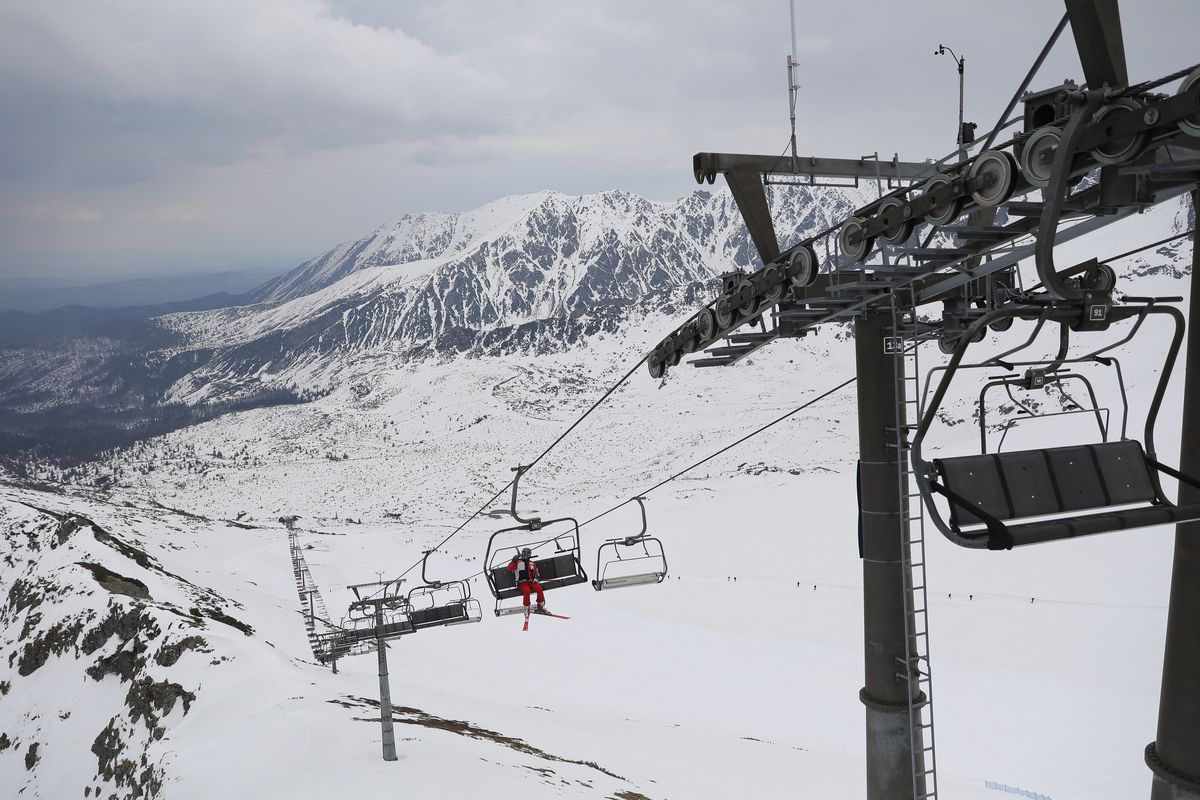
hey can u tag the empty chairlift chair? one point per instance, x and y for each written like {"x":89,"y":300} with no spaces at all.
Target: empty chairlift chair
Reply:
{"x":363,"y":626}
{"x":1003,"y":500}
{"x":440,"y":603}
{"x":630,"y":560}
{"x":555,"y":571}
{"x":384,"y":612}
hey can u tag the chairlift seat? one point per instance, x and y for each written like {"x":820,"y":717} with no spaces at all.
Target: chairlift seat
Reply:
{"x":367,"y":633}
{"x":636,"y":569}
{"x":553,"y":573}
{"x":623,"y":581}
{"x":449,"y":614}
{"x":987,"y":490}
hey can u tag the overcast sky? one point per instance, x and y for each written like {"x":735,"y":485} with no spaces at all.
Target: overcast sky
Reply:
{"x":144,"y":137}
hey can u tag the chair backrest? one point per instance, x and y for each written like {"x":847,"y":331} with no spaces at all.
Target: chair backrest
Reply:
{"x":557,"y":567}
{"x":549,"y":569}
{"x":553,"y":572}
{"x":1029,"y":483}
{"x":439,"y":615}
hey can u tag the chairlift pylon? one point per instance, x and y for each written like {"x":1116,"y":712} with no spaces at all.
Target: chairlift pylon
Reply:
{"x":563,"y":568}
{"x":639,"y":568}
{"x":1118,"y":481}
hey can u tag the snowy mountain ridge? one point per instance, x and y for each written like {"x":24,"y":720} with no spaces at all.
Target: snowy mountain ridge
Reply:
{"x":530,"y":273}
{"x":534,"y":271}
{"x":534,"y":256}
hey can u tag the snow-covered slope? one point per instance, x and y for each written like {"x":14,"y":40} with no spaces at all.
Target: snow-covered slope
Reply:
{"x":737,"y":676}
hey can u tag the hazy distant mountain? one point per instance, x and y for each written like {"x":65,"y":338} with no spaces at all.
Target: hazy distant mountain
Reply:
{"x":27,"y":327}
{"x":18,"y":294}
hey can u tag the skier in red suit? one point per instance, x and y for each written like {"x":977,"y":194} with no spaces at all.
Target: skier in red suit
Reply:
{"x":526,"y":573}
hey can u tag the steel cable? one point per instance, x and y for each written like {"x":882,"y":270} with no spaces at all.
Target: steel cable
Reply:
{"x":529,"y":466}
{"x":711,"y":456}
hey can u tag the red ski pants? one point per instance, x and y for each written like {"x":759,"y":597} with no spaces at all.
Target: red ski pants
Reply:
{"x":537,"y":587}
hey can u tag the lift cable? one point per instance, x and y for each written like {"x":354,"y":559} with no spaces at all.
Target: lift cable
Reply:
{"x":711,"y":456}
{"x":544,"y":453}
{"x":728,"y":447}
{"x":1145,"y":247}
{"x":1137,"y":250}
{"x":708,"y":458}
{"x":1029,"y":76}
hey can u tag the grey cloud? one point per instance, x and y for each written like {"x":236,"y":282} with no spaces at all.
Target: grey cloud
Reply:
{"x":215,"y":82}
{"x":213,"y":130}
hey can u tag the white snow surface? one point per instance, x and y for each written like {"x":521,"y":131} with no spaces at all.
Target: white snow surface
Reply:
{"x":736,"y":677}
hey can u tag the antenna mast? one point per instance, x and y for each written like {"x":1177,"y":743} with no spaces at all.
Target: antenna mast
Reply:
{"x":793,"y":85}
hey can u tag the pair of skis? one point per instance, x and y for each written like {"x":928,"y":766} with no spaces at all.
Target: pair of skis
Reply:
{"x":531,"y":611}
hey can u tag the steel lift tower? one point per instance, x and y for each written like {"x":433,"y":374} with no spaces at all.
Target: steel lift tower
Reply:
{"x":1078,"y":158}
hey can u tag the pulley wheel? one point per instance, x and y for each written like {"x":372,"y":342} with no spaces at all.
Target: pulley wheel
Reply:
{"x":723,"y":311}
{"x":1191,"y":124}
{"x":1037,"y":159}
{"x":802,"y":266}
{"x":1002,"y":324}
{"x":774,"y":283}
{"x":1103,"y":279}
{"x":895,"y":234}
{"x":656,"y":366}
{"x":1119,"y":151}
{"x":854,"y":252}
{"x":687,"y":340}
{"x":995,"y":174}
{"x":947,"y":212}
{"x":948,"y":344}
{"x":979,"y":334}
{"x":706,"y":325}
{"x":747,"y":301}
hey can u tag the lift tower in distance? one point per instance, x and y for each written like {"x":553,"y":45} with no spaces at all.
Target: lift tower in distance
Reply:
{"x":937,"y":241}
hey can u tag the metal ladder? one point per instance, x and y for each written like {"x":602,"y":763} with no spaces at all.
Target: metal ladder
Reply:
{"x":915,"y":668}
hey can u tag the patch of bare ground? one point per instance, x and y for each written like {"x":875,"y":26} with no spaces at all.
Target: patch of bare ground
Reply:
{"x":414,"y":716}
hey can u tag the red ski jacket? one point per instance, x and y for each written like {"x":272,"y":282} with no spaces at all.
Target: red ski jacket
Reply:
{"x":523,"y":569}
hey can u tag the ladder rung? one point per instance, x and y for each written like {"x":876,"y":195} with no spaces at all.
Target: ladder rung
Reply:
{"x":966,"y":233}
{"x":732,"y":350}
